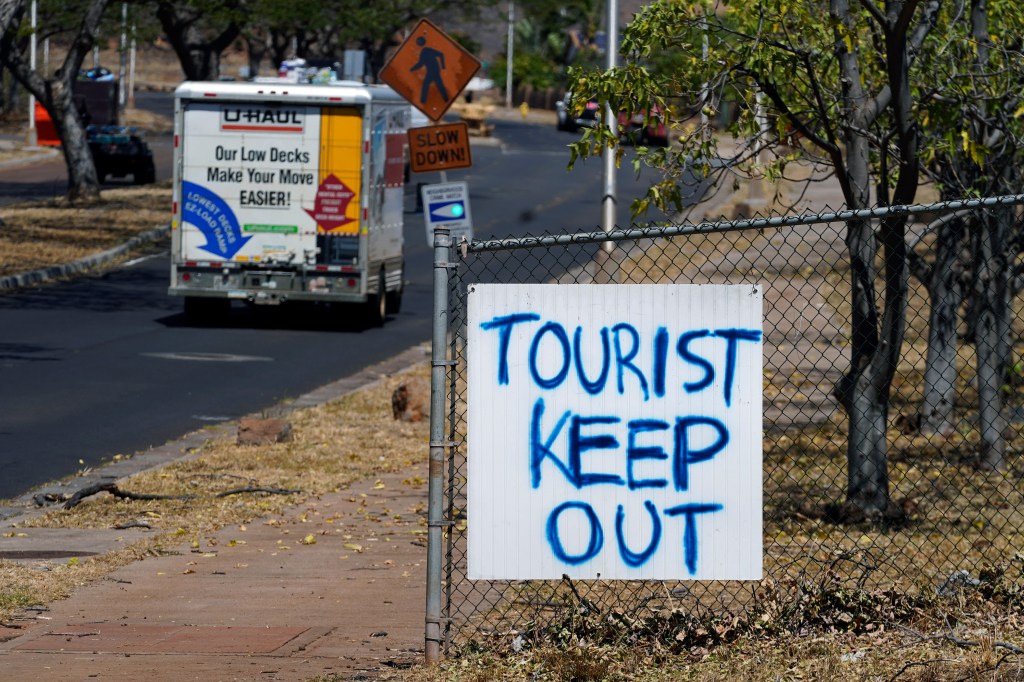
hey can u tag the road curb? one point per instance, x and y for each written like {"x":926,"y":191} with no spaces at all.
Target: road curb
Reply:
{"x":192,"y":444}
{"x":42,"y":154}
{"x":57,"y":271}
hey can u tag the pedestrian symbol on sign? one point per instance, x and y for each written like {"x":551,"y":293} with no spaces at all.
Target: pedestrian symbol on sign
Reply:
{"x":429,"y":69}
{"x":432,"y":63}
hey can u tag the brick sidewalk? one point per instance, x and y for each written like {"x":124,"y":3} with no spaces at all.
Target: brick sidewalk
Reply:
{"x":260,"y":604}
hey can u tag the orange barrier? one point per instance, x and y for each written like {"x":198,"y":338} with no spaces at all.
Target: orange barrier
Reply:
{"x":46,"y":133}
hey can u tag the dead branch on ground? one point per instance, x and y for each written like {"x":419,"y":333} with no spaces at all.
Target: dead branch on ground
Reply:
{"x":114,"y":490}
{"x":257,"y":489}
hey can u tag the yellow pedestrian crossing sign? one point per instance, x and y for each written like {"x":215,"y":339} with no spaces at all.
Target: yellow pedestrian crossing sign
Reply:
{"x":429,"y":69}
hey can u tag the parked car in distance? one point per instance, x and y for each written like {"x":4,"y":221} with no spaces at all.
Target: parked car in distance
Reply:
{"x":570,"y":120}
{"x":118,"y":151}
{"x":631,"y":127}
{"x":633,"y":130}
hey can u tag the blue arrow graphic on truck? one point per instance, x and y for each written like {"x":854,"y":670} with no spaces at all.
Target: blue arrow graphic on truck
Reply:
{"x":214,"y":218}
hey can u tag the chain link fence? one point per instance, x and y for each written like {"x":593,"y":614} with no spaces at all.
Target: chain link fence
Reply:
{"x":954,"y":517}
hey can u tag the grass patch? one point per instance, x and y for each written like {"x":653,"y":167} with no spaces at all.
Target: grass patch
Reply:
{"x":15,"y":596}
{"x":38,"y":235}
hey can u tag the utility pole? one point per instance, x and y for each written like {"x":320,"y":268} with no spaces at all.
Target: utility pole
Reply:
{"x":131,"y":72}
{"x":32,"y":138}
{"x":123,"y":50}
{"x":509,"y":48}
{"x":611,"y":119}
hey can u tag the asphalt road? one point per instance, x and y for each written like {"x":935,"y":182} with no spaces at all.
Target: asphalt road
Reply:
{"x":107,"y":364}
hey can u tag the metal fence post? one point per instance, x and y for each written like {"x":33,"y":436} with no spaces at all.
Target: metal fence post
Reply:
{"x":435,"y":512}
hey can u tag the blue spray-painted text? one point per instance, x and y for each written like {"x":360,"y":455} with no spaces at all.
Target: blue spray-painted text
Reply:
{"x":587,"y":518}
{"x":639,"y":365}
{"x":601,"y":433}
{"x":654,"y":456}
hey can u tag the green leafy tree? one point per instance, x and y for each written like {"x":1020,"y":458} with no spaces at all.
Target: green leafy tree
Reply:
{"x":841,"y":75}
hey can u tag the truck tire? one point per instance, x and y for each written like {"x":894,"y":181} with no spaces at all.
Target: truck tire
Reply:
{"x":377,"y":304}
{"x":205,"y":311}
{"x":394,"y":298}
{"x":145,"y":175}
{"x":394,"y":301}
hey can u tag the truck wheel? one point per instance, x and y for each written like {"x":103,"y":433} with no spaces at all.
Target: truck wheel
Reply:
{"x":394,"y":302}
{"x":377,"y":304}
{"x":146,"y":175}
{"x":394,"y":298}
{"x":204,"y":311}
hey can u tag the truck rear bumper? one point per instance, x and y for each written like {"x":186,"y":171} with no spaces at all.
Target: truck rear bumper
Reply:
{"x":267,"y":297}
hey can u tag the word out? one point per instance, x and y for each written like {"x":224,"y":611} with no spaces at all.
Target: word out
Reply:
{"x":589,"y":519}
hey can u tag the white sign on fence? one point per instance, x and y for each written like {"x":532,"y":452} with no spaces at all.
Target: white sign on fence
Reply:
{"x":614,"y":431}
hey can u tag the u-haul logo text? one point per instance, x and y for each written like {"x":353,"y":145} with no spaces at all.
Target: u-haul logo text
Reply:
{"x":261,"y":119}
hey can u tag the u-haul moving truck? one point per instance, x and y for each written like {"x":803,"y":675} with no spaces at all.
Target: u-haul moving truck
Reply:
{"x":288,"y":192}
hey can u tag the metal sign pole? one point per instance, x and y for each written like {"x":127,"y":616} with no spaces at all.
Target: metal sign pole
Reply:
{"x":131,"y":71}
{"x":33,"y":134}
{"x":609,"y":200}
{"x":438,"y":382}
{"x":122,"y":57}
{"x":510,"y":42}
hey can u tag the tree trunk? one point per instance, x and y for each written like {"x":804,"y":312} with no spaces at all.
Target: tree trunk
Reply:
{"x":991,"y":299}
{"x":991,"y":302}
{"x":199,"y":56}
{"x":12,"y":94}
{"x":55,"y":94}
{"x":867,"y":490}
{"x":83,"y":183}
{"x":257,"y":47}
{"x":867,"y":469}
{"x":875,"y":350}
{"x":940,"y":373}
{"x":376,"y":55}
{"x":280,"y":45}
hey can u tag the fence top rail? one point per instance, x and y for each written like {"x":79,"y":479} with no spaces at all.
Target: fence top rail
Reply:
{"x":654,"y":229}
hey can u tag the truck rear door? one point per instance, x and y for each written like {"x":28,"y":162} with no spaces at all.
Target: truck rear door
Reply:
{"x":260,"y":181}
